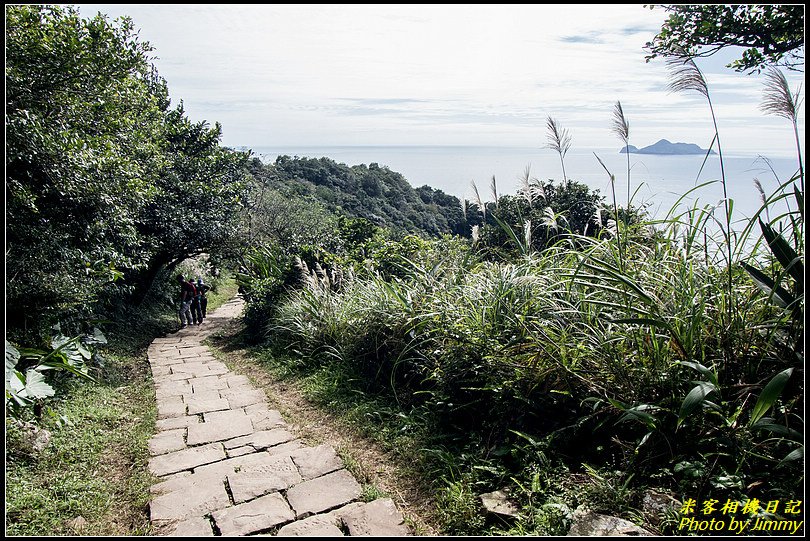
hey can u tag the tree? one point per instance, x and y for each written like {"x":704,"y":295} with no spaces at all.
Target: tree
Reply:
{"x":105,"y":184}
{"x":563,"y":208}
{"x":771,"y":34}
{"x":83,"y":113}
{"x":197,"y":201}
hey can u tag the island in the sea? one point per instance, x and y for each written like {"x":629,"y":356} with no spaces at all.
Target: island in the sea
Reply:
{"x":665,"y":147}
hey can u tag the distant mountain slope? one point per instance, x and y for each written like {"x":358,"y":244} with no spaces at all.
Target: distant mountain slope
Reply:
{"x":666,"y":148}
{"x":372,"y":191}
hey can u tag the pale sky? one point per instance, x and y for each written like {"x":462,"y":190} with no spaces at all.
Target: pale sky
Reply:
{"x":326,"y":75}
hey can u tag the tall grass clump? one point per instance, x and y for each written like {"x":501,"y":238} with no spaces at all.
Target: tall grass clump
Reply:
{"x":586,"y":369}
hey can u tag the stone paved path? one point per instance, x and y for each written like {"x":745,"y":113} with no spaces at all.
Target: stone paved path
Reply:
{"x":229,"y":465}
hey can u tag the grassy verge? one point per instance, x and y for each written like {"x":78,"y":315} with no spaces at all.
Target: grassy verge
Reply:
{"x":223,"y":290}
{"x":92,"y":477}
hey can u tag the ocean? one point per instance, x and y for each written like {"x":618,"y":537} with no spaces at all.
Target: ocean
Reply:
{"x":659,"y":180}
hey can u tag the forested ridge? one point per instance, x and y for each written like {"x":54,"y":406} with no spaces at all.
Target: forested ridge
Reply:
{"x":555,"y":344}
{"x":373,"y":192}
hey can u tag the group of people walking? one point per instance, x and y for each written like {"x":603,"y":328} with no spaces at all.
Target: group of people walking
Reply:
{"x":193,"y":302}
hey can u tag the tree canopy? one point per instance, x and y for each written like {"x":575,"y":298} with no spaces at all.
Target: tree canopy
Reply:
{"x":772,"y":35}
{"x":372,"y":191}
{"x":103,"y":178}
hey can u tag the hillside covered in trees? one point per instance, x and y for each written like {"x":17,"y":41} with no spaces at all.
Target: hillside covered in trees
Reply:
{"x":372,"y":191}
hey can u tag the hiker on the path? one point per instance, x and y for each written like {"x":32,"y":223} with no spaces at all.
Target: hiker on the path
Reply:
{"x":202,"y":289}
{"x":186,"y":297}
{"x":196,"y":315}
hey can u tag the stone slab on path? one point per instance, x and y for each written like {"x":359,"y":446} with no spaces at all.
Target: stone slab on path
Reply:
{"x":324,"y":493}
{"x":254,"y":516}
{"x":229,"y":465}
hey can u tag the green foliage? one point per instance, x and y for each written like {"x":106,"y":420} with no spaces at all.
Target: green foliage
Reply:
{"x":638,"y":353}
{"x":197,"y":197}
{"x":95,"y":463}
{"x":82,"y":114}
{"x":459,"y":509}
{"x":373,"y":192}
{"x":26,"y":382}
{"x":290,"y":221}
{"x":770,"y":34}
{"x":263,"y":277}
{"x":537,"y":219}
{"x":106,"y":185}
{"x":611,"y":357}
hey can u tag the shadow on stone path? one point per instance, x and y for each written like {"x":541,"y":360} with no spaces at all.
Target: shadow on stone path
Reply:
{"x":227,"y":463}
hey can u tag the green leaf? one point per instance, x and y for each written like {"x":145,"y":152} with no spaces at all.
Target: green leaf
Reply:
{"x":704,"y":371}
{"x":639,"y":413}
{"x":30,"y":386}
{"x":526,"y":437}
{"x":512,"y":235}
{"x":778,"y":295}
{"x":35,"y":386}
{"x":696,"y":397}
{"x":796,"y":454}
{"x":767,"y":423}
{"x":644,"y":321}
{"x":12,"y":356}
{"x":96,"y":338}
{"x":786,"y":255}
{"x":769,"y":395}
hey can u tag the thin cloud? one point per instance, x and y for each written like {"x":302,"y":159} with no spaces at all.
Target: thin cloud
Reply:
{"x":592,"y":38}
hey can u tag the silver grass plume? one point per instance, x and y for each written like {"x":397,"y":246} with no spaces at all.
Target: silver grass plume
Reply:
{"x":527,"y":234}
{"x":550,"y":218}
{"x":525,"y":185}
{"x":301,"y":265}
{"x":493,"y":186}
{"x":758,"y":186}
{"x":336,"y":276}
{"x":778,"y":99}
{"x":597,"y":218}
{"x":319,"y":270}
{"x":479,"y":201}
{"x":620,"y":125}
{"x":530,"y":187}
{"x":321,"y":277}
{"x":559,"y":140}
{"x":610,"y":227}
{"x":685,"y":75}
